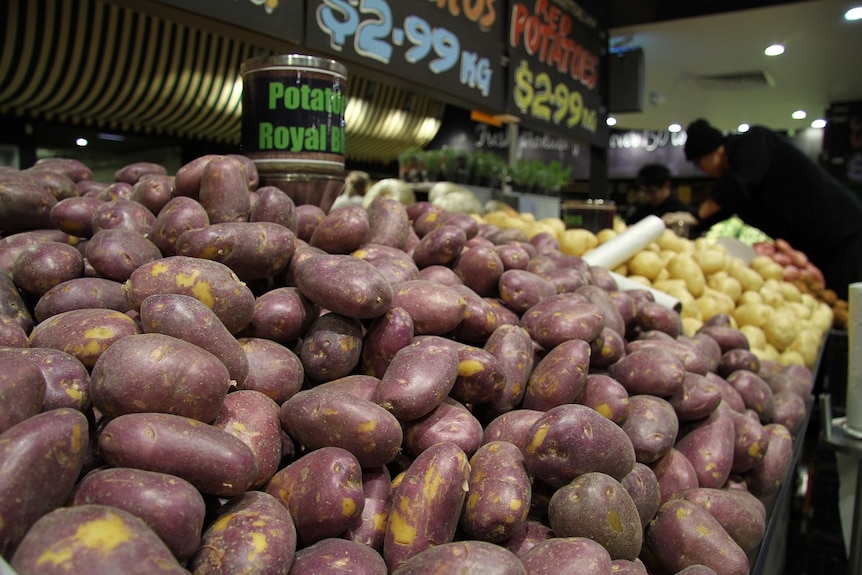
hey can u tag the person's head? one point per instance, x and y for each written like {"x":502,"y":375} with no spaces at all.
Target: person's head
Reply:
{"x":654,"y":182}
{"x":704,"y":147}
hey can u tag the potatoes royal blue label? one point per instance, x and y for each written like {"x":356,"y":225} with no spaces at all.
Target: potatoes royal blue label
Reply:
{"x":287,"y":113}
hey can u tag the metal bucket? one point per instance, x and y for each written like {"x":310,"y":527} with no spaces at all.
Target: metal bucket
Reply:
{"x":293,"y":123}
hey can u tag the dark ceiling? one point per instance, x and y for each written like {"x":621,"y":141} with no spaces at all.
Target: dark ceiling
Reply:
{"x":615,"y":13}
{"x":631,"y":12}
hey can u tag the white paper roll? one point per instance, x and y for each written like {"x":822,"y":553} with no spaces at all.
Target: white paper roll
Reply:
{"x":854,"y":361}
{"x":618,"y":250}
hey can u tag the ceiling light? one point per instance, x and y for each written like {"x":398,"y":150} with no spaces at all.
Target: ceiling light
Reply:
{"x":818,"y":124}
{"x":774,"y":50}
{"x":82,"y":142}
{"x":674,"y":128}
{"x":799,"y":115}
{"x":854,"y":13}
{"x":742,"y":128}
{"x":611,"y":121}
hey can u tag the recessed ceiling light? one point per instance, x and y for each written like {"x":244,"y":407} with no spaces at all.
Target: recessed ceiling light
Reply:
{"x":818,"y":124}
{"x":742,"y":128}
{"x":854,"y":13}
{"x":774,"y":50}
{"x":799,"y":115}
{"x":611,"y":121}
{"x":674,"y":128}
{"x":82,"y":142}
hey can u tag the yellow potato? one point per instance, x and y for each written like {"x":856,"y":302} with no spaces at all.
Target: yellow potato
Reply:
{"x":712,"y":303}
{"x":791,"y":357}
{"x":690,"y":326}
{"x":708,"y":306}
{"x":756,"y":337}
{"x":621,"y":269}
{"x":498,"y":218}
{"x":771,"y":293}
{"x":822,"y":317}
{"x":809,"y":300}
{"x":556,"y":224}
{"x":676,"y":288}
{"x":667,"y":255}
{"x":605,"y":235}
{"x":729,"y":286}
{"x":578,"y":241}
{"x":670,"y":284}
{"x":768,"y":354}
{"x":789,"y":291}
{"x":536,"y":228}
{"x":725,"y":302}
{"x":690,"y":310}
{"x":710,"y":260}
{"x":772,"y":297}
{"x":748,"y":297}
{"x":663,"y":274}
{"x":807,"y":344}
{"x":767,"y":267}
{"x":517,"y":223}
{"x":748,"y":277}
{"x":645,"y":263}
{"x":782,"y":328}
{"x":802,"y":311}
{"x":683,"y":266}
{"x":756,"y":314}
{"x":702,"y":243}
{"x":716,"y":276}
{"x":670,"y":241}
{"x":640,"y":279}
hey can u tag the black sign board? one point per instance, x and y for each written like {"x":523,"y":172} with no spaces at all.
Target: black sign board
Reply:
{"x":453,"y":46}
{"x":548,"y":149}
{"x":558,"y":56}
{"x":281,"y":19}
{"x":629,"y":151}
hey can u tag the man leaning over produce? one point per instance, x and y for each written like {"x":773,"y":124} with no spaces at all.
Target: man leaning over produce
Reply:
{"x":772,"y":185}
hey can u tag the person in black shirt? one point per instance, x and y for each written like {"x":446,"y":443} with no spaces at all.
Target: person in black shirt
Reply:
{"x":772,"y":185}
{"x":654,"y":182}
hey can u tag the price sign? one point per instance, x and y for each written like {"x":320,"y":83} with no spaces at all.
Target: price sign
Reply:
{"x":451,"y":46}
{"x":557,"y":53}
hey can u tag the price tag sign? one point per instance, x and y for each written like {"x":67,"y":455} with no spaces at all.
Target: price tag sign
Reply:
{"x":452,"y":46}
{"x":558,"y":58}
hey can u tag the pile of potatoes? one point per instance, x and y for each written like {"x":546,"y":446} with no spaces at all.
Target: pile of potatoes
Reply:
{"x":798,"y":270}
{"x":201,"y":376}
{"x":783,"y":321}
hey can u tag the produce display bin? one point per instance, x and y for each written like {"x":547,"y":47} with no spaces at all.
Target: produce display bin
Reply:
{"x":768,"y":557}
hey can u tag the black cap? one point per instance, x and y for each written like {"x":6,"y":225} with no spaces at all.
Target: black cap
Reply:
{"x":701,"y":139}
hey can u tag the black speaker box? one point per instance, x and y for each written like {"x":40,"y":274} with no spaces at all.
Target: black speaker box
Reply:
{"x":626,"y":81}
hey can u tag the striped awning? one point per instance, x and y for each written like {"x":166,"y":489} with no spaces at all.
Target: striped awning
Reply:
{"x":99,"y":64}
